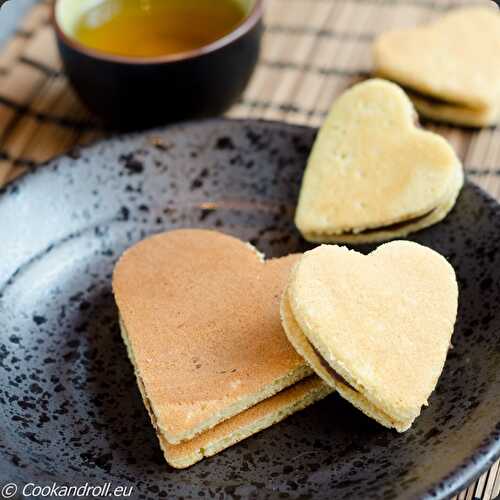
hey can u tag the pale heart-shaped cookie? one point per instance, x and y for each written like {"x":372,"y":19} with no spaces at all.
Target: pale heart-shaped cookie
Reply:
{"x":375,"y":327}
{"x":453,"y":65}
{"x":200,"y":316}
{"x":373,"y":174}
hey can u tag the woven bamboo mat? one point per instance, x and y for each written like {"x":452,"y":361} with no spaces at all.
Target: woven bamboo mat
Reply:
{"x":312,"y":50}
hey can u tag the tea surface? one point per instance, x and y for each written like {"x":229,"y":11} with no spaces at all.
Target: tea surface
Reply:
{"x":148,"y":28}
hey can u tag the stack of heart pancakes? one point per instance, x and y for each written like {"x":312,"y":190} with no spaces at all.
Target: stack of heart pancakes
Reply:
{"x":373,"y":174}
{"x":199,"y":313}
{"x":377,"y":328}
{"x":451,"y":67}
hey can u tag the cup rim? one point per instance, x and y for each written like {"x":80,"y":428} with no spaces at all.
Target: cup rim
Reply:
{"x":248,"y":22}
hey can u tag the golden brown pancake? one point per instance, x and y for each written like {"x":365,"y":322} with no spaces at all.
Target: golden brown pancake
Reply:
{"x":243,"y":425}
{"x":200,"y":316}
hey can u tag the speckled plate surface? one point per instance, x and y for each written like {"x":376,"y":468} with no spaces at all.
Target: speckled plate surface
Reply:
{"x":69,"y":408}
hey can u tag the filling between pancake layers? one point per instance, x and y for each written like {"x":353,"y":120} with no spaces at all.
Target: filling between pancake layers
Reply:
{"x":400,"y":228}
{"x":441,"y":109}
{"x":348,"y":389}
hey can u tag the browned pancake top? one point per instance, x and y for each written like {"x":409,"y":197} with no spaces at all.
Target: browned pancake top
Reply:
{"x":201,"y":312}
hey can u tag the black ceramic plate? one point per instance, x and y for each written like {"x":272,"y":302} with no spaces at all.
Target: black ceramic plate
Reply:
{"x":69,"y":408}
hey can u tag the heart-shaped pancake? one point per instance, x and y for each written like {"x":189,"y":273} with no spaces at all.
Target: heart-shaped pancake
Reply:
{"x":200,"y":317}
{"x":373,"y":174}
{"x":453,"y":65}
{"x":264,"y":414}
{"x":375,"y":327}
{"x":447,"y":112}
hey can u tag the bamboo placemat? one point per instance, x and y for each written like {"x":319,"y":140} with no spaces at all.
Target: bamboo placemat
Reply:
{"x":312,"y":50}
